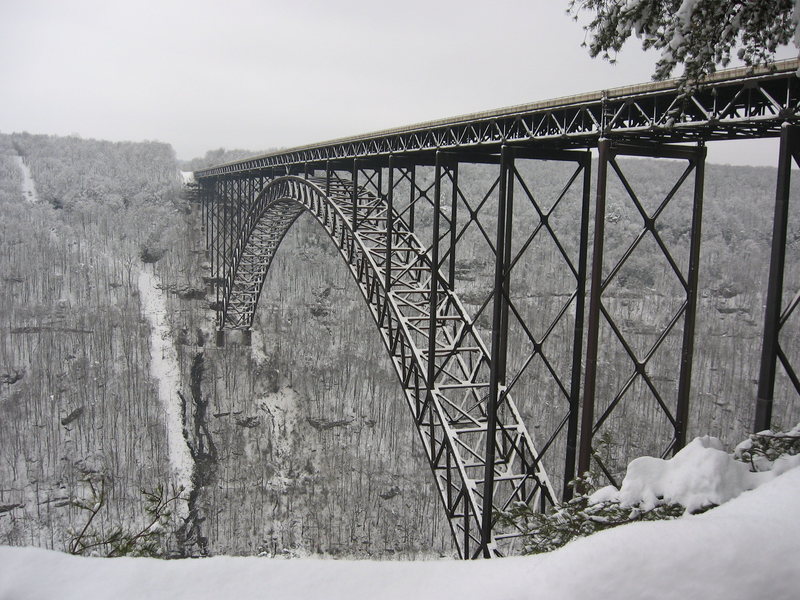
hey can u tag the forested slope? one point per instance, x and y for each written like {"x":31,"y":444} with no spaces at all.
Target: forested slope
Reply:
{"x":302,"y":442}
{"x":77,"y":405}
{"x":322,"y":469}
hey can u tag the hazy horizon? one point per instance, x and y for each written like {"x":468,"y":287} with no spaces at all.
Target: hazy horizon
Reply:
{"x":256,"y":75}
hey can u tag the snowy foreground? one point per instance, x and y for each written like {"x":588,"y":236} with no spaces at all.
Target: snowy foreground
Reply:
{"x":746,"y":548}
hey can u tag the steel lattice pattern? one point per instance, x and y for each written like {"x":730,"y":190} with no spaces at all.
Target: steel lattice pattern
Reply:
{"x":449,"y":409}
{"x":731,"y":104}
{"x":403,"y":252}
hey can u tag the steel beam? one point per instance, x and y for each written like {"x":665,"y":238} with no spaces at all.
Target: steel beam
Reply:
{"x":577,"y":339}
{"x":731,"y":104}
{"x":692,"y":291}
{"x":593,"y":326}
{"x":453,"y":220}
{"x":770,"y":349}
{"x":499,"y":340}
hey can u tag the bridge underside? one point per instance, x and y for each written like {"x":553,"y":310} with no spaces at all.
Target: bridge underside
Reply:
{"x":454,"y":237}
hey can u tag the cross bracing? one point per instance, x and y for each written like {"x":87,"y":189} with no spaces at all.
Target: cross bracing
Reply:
{"x":441,"y":360}
{"x":394,"y":205}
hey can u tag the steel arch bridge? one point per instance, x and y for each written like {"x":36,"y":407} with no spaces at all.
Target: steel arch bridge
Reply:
{"x":394,"y":206}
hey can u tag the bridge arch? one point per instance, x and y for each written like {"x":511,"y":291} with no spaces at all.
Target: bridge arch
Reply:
{"x":441,"y":361}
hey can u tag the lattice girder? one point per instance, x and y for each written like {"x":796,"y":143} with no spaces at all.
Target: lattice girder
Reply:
{"x":449,"y":411}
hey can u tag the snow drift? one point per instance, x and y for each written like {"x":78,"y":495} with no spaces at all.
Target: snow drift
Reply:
{"x":747,"y":548}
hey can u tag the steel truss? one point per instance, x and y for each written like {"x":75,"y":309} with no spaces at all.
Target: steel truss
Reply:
{"x":480,"y":452}
{"x":736,"y":103}
{"x":394,"y":205}
{"x":675,"y":411}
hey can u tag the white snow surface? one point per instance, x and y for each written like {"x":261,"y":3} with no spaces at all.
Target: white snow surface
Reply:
{"x":164,"y":369}
{"x":747,"y":548}
{"x":28,"y":186}
{"x":702,"y":474}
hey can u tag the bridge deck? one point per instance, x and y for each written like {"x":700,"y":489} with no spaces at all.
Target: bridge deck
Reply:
{"x":734,"y":103}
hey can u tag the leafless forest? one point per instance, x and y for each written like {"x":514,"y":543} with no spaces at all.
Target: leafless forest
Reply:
{"x":302,"y":443}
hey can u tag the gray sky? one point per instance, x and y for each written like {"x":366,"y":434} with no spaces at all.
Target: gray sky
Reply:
{"x":258,"y":74}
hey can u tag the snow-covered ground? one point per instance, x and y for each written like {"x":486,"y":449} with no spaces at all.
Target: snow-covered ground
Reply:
{"x":701,"y":475}
{"x":164,"y":368}
{"x":28,"y":187}
{"x":187,"y":177}
{"x":747,"y":548}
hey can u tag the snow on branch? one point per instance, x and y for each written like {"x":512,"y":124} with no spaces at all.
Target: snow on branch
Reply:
{"x":698,"y":34}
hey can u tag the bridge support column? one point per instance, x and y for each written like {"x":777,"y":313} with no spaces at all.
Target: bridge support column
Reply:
{"x":641,"y":359}
{"x":433,"y":308}
{"x":593,"y":325}
{"x":354,"y":208}
{"x":387,"y":283}
{"x":577,"y":339}
{"x":220,"y":338}
{"x":498,"y":348}
{"x":774,"y":319}
{"x":687,"y":351}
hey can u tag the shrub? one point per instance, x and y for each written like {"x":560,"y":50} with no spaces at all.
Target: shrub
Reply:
{"x":149,"y":540}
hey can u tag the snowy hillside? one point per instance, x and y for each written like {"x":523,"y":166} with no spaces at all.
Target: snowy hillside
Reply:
{"x":747,"y":548}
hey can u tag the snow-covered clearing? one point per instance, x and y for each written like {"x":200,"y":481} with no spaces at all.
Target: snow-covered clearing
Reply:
{"x":164,"y":369}
{"x":747,"y":548}
{"x":28,"y":187}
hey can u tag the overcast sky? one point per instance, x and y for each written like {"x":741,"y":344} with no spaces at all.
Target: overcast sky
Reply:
{"x":259,"y":74}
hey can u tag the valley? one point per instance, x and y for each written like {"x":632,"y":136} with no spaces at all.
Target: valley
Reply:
{"x":300,"y":444}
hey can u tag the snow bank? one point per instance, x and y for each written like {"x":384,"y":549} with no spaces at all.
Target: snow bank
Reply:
{"x":702,"y":474}
{"x":747,"y":548}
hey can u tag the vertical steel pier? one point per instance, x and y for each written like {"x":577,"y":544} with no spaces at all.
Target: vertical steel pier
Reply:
{"x":774,"y":319}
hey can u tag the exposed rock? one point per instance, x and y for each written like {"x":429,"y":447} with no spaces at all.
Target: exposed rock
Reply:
{"x":75,"y":414}
{"x":319,"y":311}
{"x":323,"y":424}
{"x":390,"y":493}
{"x":191,"y":539}
{"x":728,"y":290}
{"x":733,"y":310}
{"x":151,"y":253}
{"x":248,"y":422}
{"x":190,"y":293}
{"x":13,"y":377}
